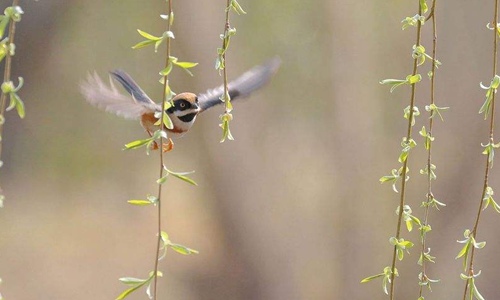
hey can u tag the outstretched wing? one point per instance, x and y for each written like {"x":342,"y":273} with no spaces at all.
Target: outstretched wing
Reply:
{"x":242,"y":86}
{"x":132,"y":88}
{"x":109,"y":99}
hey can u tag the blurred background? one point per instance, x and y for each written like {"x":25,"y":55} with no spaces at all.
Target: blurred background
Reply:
{"x":292,"y":209}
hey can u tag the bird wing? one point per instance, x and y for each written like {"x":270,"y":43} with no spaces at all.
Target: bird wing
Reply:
{"x":242,"y":86}
{"x":109,"y":99}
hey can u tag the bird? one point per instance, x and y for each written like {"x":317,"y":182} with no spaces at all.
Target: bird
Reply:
{"x":185,"y":107}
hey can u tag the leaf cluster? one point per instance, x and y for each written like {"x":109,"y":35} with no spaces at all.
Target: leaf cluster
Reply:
{"x":409,"y":80}
{"x":9,"y":89}
{"x":386,"y":276}
{"x":490,"y":91}
{"x":489,"y":150}
{"x":180,"y":175}
{"x":167,"y":243}
{"x":408,"y":218}
{"x":220,"y":65}
{"x":153,"y":40}
{"x":435,"y":110}
{"x":396,"y":174}
{"x":173,"y":61}
{"x":426,"y":171}
{"x":13,"y":13}
{"x":488,"y":200}
{"x":149,"y":143}
{"x":401,"y":245}
{"x":226,"y":132}
{"x":137,"y":283}
{"x":433,"y":202}
{"x":474,"y":291}
{"x":468,"y":242}
{"x":412,"y":21}
{"x":420,"y":55}
{"x":424,"y":280}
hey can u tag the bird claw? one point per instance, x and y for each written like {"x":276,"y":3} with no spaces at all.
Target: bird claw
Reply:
{"x":166,"y":147}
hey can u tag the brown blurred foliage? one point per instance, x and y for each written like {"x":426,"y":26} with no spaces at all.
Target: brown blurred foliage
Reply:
{"x":292,"y":209}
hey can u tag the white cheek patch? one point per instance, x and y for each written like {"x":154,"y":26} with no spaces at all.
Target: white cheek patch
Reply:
{"x":181,"y":125}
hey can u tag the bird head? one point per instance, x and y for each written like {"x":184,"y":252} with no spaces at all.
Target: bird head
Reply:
{"x":184,"y":111}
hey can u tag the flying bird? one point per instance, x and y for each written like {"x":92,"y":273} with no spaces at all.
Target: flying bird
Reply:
{"x":186,"y":106}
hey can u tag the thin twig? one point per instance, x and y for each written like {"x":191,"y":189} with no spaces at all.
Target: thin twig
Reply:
{"x":162,"y":127}
{"x":470,"y":269}
{"x":7,"y":73}
{"x":403,"y":181}
{"x":227,"y":26}
{"x":429,"y":151}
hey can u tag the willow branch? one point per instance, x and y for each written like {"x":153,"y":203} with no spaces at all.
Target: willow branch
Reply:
{"x":162,"y":169}
{"x":430,"y":195}
{"x":7,"y":72}
{"x":470,"y":268}
{"x":405,"y":164}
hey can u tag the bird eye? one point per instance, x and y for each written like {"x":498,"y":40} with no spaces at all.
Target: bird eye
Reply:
{"x":182,"y":105}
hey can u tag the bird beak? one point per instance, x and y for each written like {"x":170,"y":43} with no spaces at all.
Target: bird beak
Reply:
{"x":196,"y":106}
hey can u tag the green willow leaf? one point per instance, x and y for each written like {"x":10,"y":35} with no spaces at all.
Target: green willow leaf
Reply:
{"x":423,"y":6}
{"x":143,"y":44}
{"x":19,"y":106}
{"x":4,"y":21}
{"x":186,"y":64}
{"x":184,"y":178}
{"x":414,"y":78}
{"x":157,"y":45}
{"x":237,"y":7}
{"x":463,"y":251}
{"x":182,"y":249}
{"x":475,"y":291}
{"x":14,"y":12}
{"x":140,"y":202}
{"x":127,"y":292}
{"x":370,"y":278}
{"x":167,"y":70}
{"x":132,"y":280}
{"x":148,"y":36}
{"x":162,"y":180}
{"x":167,"y":122}
{"x":164,"y":237}
{"x":136,"y":144}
